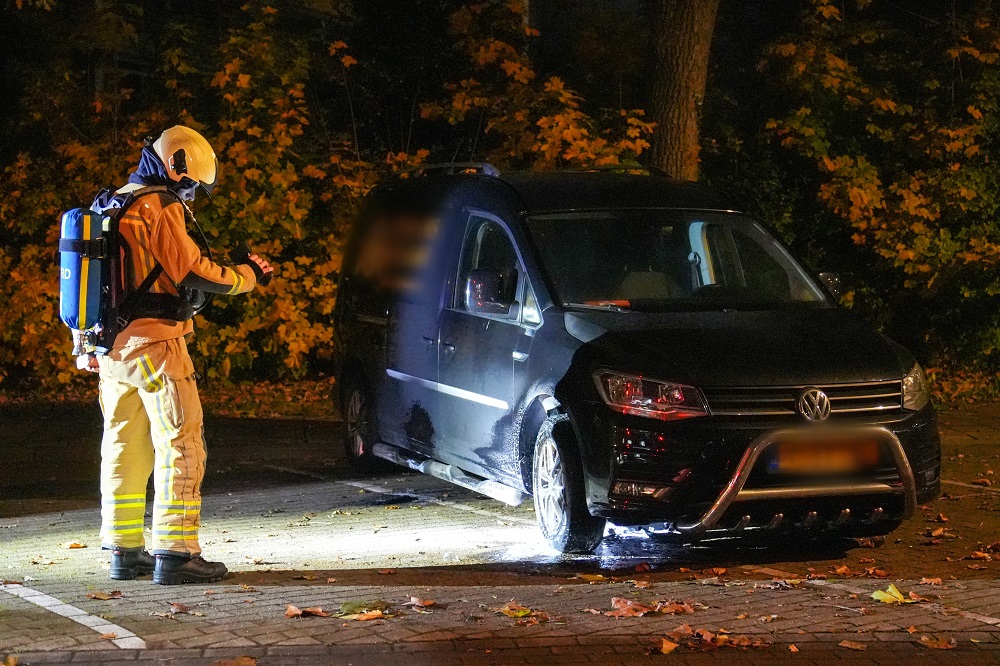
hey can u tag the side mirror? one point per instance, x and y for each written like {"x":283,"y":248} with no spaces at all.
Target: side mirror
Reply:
{"x":489,"y":291}
{"x":831,"y":282}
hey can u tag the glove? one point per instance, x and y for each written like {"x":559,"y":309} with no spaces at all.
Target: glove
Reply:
{"x":242,"y":256}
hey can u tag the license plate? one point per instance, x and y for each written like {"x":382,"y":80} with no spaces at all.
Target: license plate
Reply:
{"x":823,"y":457}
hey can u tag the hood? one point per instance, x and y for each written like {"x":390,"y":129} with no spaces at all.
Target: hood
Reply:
{"x":740,"y":348}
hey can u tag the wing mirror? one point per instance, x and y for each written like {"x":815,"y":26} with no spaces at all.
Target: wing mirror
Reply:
{"x":489,"y":291}
{"x":831,"y":282}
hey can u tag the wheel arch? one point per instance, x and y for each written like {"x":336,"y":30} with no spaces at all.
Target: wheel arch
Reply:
{"x":539,"y":408}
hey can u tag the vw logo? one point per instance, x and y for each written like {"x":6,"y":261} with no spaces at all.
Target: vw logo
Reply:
{"x":814,"y":405}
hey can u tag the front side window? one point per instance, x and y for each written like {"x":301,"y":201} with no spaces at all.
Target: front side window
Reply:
{"x":488,"y":250}
{"x":669,"y":260}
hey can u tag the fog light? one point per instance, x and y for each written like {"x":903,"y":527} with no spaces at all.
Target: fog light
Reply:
{"x":639,"y":489}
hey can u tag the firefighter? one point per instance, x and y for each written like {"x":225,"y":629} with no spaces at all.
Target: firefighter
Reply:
{"x":152,"y":413}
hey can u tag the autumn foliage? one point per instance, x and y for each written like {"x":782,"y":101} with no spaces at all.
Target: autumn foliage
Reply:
{"x":863,"y":134}
{"x":269,"y":88}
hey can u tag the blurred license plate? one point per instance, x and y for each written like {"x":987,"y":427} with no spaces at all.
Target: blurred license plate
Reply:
{"x":823,"y":457}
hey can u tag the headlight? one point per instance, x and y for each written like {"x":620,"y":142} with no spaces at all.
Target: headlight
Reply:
{"x":638,"y":396}
{"x":915,"y":391}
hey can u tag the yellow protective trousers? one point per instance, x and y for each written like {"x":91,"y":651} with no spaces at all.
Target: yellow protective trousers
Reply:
{"x":152,"y":425}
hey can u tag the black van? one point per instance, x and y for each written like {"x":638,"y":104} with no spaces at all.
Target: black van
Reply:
{"x":623,"y":347}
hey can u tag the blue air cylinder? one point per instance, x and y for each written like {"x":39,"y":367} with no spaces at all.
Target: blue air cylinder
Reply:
{"x":81,"y":255}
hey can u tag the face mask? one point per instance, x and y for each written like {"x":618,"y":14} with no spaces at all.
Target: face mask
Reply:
{"x":185,"y":189}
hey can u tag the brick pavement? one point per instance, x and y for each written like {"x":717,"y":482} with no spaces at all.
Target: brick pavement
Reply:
{"x":400,"y":535}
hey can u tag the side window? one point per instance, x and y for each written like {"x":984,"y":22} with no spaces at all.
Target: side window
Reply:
{"x":487,"y":247}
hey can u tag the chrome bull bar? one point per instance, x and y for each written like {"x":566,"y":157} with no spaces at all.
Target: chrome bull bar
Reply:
{"x":735,"y":492}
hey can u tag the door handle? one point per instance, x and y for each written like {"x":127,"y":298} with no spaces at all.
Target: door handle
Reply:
{"x":429,"y":341}
{"x":520,"y":356}
{"x":448,"y":348}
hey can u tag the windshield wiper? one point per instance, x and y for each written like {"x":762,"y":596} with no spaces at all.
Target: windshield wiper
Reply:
{"x":605,"y":307}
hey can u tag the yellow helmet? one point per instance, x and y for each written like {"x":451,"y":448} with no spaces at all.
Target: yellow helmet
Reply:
{"x":184,"y":152}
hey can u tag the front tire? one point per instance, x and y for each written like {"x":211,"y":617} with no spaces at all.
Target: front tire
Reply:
{"x":558,"y":491}
{"x":358,"y":427}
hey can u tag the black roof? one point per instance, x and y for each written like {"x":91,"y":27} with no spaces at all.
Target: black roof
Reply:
{"x":582,"y":190}
{"x":543,"y":191}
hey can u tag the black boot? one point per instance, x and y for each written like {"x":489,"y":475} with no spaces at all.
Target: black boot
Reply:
{"x":130,"y":563}
{"x":177,"y":569}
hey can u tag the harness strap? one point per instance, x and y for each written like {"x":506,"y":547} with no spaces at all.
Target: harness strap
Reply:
{"x":91,"y":249}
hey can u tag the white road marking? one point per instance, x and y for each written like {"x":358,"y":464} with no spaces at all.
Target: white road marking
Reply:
{"x":124,"y":638}
{"x":291,"y":470}
{"x":970,"y":485}
{"x":933,"y":605}
{"x":434,"y":500}
{"x":423,"y":498}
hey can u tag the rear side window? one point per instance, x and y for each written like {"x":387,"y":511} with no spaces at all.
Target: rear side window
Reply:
{"x":393,"y":255}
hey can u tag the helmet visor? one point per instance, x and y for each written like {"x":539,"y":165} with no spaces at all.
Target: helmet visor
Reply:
{"x":209,"y":186}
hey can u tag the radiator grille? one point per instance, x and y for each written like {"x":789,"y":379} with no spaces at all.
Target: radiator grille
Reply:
{"x":781,"y":401}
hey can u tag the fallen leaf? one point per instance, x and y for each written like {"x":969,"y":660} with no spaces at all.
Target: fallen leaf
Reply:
{"x":331,"y":580}
{"x":621,"y":607}
{"x":851,"y":645}
{"x":238,"y":661}
{"x":980,"y":555}
{"x":792,"y":648}
{"x":977,"y":567}
{"x":293,"y":611}
{"x":10,"y":660}
{"x":349,"y":608}
{"x":105,"y":596}
{"x":387,"y":572}
{"x":867,"y":560}
{"x":305,"y":577}
{"x":942,"y":643}
{"x":176,"y":607}
{"x":108,"y":637}
{"x":930,"y":581}
{"x":317,"y":611}
{"x":667,"y":646}
{"x":983,"y":482}
{"x":842,"y":570}
{"x":515,"y":610}
{"x":641,"y":584}
{"x":911,"y":630}
{"x":592,"y":578}
{"x":941,"y":518}
{"x":366,"y":616}
{"x":72,"y":545}
{"x":892,"y":596}
{"x":642,"y":567}
{"x":419,"y":603}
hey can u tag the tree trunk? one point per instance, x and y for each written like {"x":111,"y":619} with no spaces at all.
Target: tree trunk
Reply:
{"x":683,"y":38}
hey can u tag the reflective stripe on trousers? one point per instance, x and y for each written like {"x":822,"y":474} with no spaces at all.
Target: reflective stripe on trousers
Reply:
{"x":152,"y":426}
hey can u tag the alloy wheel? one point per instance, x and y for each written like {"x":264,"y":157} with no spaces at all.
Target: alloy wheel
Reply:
{"x":551,"y":491}
{"x":355,"y":423}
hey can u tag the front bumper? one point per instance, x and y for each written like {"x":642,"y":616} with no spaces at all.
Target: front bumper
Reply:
{"x":704,"y":476}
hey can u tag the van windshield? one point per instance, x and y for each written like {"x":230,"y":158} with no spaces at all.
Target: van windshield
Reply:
{"x":668,"y":260}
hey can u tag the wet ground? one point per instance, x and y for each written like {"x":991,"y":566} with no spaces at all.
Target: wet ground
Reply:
{"x":52,"y":466}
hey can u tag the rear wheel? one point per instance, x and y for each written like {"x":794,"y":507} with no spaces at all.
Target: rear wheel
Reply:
{"x":558,"y":491}
{"x":358,"y":430}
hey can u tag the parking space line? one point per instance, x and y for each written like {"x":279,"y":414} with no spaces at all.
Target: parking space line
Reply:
{"x":124,"y":638}
{"x":386,"y":491}
{"x":970,"y":485}
{"x":434,"y":500}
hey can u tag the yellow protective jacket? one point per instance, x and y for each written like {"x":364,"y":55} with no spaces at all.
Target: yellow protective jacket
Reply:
{"x":155,"y":230}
